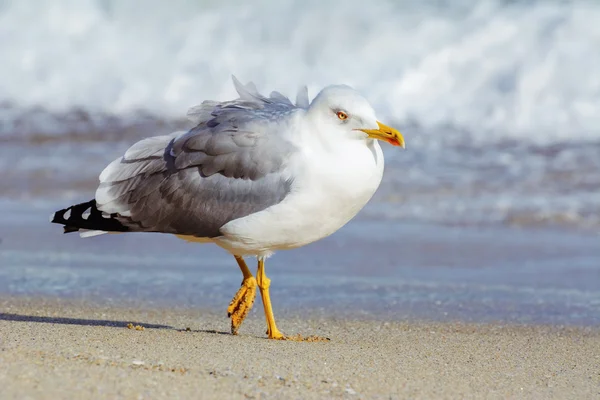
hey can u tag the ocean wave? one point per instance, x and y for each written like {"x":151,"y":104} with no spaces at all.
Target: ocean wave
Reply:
{"x":527,"y":70}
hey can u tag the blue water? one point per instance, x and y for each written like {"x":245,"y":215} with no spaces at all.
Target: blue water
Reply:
{"x":369,"y":269}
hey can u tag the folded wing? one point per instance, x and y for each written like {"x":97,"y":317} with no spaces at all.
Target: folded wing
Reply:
{"x":232,"y":164}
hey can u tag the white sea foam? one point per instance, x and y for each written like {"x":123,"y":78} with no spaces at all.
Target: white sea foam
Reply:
{"x":500,"y":69}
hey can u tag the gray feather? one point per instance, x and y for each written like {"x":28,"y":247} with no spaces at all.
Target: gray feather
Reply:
{"x":200,"y":113}
{"x":279,"y":97}
{"x":232,"y":164}
{"x":302,"y":98}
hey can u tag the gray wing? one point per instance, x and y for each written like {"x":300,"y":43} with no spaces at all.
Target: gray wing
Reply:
{"x":275,"y":104}
{"x":233,"y":164}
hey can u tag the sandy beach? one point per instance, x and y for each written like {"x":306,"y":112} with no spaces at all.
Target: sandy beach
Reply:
{"x":62,"y":349}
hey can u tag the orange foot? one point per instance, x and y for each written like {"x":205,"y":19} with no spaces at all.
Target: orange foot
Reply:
{"x":241,"y":304}
{"x":277,"y":335}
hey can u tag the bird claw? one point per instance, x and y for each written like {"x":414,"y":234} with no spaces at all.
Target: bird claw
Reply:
{"x":241,"y":304}
{"x":275,"y":335}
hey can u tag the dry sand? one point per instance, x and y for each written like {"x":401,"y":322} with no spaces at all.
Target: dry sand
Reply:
{"x":58,"y":349}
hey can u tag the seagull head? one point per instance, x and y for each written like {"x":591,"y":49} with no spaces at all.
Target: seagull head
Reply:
{"x":341,"y":109}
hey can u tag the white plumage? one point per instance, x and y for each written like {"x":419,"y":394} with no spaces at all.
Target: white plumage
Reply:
{"x":256,"y":175}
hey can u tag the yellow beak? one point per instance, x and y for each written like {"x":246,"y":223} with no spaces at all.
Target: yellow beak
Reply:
{"x":390,"y":135}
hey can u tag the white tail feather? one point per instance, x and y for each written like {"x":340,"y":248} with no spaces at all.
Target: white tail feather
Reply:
{"x":85,"y":233}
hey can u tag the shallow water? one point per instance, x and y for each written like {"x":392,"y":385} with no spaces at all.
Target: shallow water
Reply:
{"x":375,"y":269}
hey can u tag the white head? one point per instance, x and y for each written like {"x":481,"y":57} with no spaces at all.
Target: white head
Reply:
{"x":343,"y":111}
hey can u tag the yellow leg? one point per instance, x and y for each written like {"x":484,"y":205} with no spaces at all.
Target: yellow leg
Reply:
{"x":263,"y":285}
{"x":244,"y":298}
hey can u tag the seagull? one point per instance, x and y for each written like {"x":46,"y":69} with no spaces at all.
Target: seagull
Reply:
{"x":255,"y":175}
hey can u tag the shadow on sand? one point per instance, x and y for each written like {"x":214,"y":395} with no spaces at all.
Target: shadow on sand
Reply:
{"x":77,"y":321}
{"x":98,"y":322}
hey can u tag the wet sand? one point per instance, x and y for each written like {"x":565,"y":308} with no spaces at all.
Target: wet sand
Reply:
{"x":63,"y":349}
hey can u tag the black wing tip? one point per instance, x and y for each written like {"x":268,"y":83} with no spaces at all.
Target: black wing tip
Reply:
{"x":54,"y":218}
{"x":59,"y":218}
{"x":69,"y":229}
{"x":75,"y":221}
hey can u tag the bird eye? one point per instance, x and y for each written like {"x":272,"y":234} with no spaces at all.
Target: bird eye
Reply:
{"x":342,"y":115}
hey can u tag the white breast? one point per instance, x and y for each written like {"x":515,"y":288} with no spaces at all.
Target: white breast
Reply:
{"x":331,"y":187}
